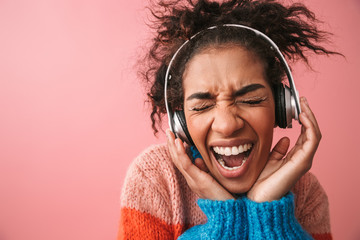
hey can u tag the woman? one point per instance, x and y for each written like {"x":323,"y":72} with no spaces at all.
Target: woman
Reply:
{"x":226,"y":182}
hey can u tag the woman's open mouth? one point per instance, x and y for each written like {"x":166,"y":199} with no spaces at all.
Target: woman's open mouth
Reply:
{"x":232,"y":158}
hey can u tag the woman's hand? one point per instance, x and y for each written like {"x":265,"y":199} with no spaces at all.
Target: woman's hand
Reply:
{"x":280,"y":174}
{"x":196,"y":175}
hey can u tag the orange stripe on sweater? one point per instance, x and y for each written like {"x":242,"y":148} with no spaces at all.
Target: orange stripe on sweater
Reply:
{"x":323,"y":236}
{"x":139,"y":225}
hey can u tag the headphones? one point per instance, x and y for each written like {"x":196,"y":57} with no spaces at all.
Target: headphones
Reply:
{"x":287,"y":104}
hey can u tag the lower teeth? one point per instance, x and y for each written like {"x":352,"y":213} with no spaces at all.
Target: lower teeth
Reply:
{"x":222,"y":163}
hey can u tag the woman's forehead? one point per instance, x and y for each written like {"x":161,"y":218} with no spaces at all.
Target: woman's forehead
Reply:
{"x":223,"y":67}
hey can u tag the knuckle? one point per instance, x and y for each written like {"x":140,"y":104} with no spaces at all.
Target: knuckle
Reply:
{"x":186,"y":166}
{"x":193,"y":186}
{"x":202,"y":179}
{"x":307,"y":166}
{"x":202,"y":188}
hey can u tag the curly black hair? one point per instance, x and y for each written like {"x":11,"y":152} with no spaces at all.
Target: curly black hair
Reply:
{"x":293,"y":28}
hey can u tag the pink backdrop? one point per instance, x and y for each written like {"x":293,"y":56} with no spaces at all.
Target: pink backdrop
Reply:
{"x":72,"y":115}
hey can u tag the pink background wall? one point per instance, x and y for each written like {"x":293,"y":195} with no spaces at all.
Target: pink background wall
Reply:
{"x":72,"y":116}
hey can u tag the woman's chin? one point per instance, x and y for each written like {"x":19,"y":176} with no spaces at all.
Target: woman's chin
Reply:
{"x":235,"y":189}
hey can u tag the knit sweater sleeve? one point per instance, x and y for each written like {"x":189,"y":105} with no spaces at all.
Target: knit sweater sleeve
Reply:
{"x":245,"y":219}
{"x":312,"y":207}
{"x":274,"y":220}
{"x":225,"y":220}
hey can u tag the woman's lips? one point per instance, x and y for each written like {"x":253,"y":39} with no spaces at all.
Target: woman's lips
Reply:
{"x":233,"y":157}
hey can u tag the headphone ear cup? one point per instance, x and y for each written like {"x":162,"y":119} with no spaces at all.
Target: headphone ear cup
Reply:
{"x":280,"y":105}
{"x":180,"y":127}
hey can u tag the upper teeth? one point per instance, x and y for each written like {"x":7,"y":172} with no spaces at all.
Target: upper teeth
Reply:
{"x":228,"y":151}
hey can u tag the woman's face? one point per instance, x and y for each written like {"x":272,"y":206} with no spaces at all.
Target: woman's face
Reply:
{"x":230,"y":114}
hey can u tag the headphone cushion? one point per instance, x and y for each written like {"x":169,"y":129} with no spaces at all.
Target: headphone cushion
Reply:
{"x":180,"y":115}
{"x":280,"y":107}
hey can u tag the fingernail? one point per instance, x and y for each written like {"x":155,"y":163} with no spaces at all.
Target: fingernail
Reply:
{"x":178,"y":143}
{"x":167,"y":133}
{"x":305,"y":100}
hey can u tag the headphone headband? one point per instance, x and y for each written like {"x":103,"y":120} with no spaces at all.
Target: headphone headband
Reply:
{"x":273,"y":46}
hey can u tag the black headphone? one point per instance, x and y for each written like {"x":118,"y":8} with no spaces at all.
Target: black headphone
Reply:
{"x":287,"y":104}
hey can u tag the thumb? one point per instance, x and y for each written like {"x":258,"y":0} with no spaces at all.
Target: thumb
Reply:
{"x":280,"y":149}
{"x":201,"y":164}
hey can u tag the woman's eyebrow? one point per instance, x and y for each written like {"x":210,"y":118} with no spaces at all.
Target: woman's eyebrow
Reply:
{"x":248,"y":88}
{"x":200,"y":95}
{"x":240,"y":92}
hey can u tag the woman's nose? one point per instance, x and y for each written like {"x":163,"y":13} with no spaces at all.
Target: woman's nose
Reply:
{"x":226,"y":122}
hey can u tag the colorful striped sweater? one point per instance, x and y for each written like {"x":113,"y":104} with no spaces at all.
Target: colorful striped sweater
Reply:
{"x":156,"y":203}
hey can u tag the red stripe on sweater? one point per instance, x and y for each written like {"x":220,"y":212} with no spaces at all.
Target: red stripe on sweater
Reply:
{"x":139,"y":225}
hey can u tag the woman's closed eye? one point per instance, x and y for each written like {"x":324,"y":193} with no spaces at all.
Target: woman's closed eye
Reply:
{"x":201,"y":107}
{"x":251,"y":101}
{"x":248,"y":101}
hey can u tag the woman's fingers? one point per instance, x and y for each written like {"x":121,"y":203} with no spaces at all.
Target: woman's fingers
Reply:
{"x":182,"y":160}
{"x":178,"y":154}
{"x":306,"y":108}
{"x":305,"y":148}
{"x":310,"y":134}
{"x":280,"y":149}
{"x":171,"y":145}
{"x":201,"y":164}
{"x":310,"y":131}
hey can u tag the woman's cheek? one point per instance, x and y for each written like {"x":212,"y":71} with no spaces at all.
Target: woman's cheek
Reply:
{"x":198,"y":127}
